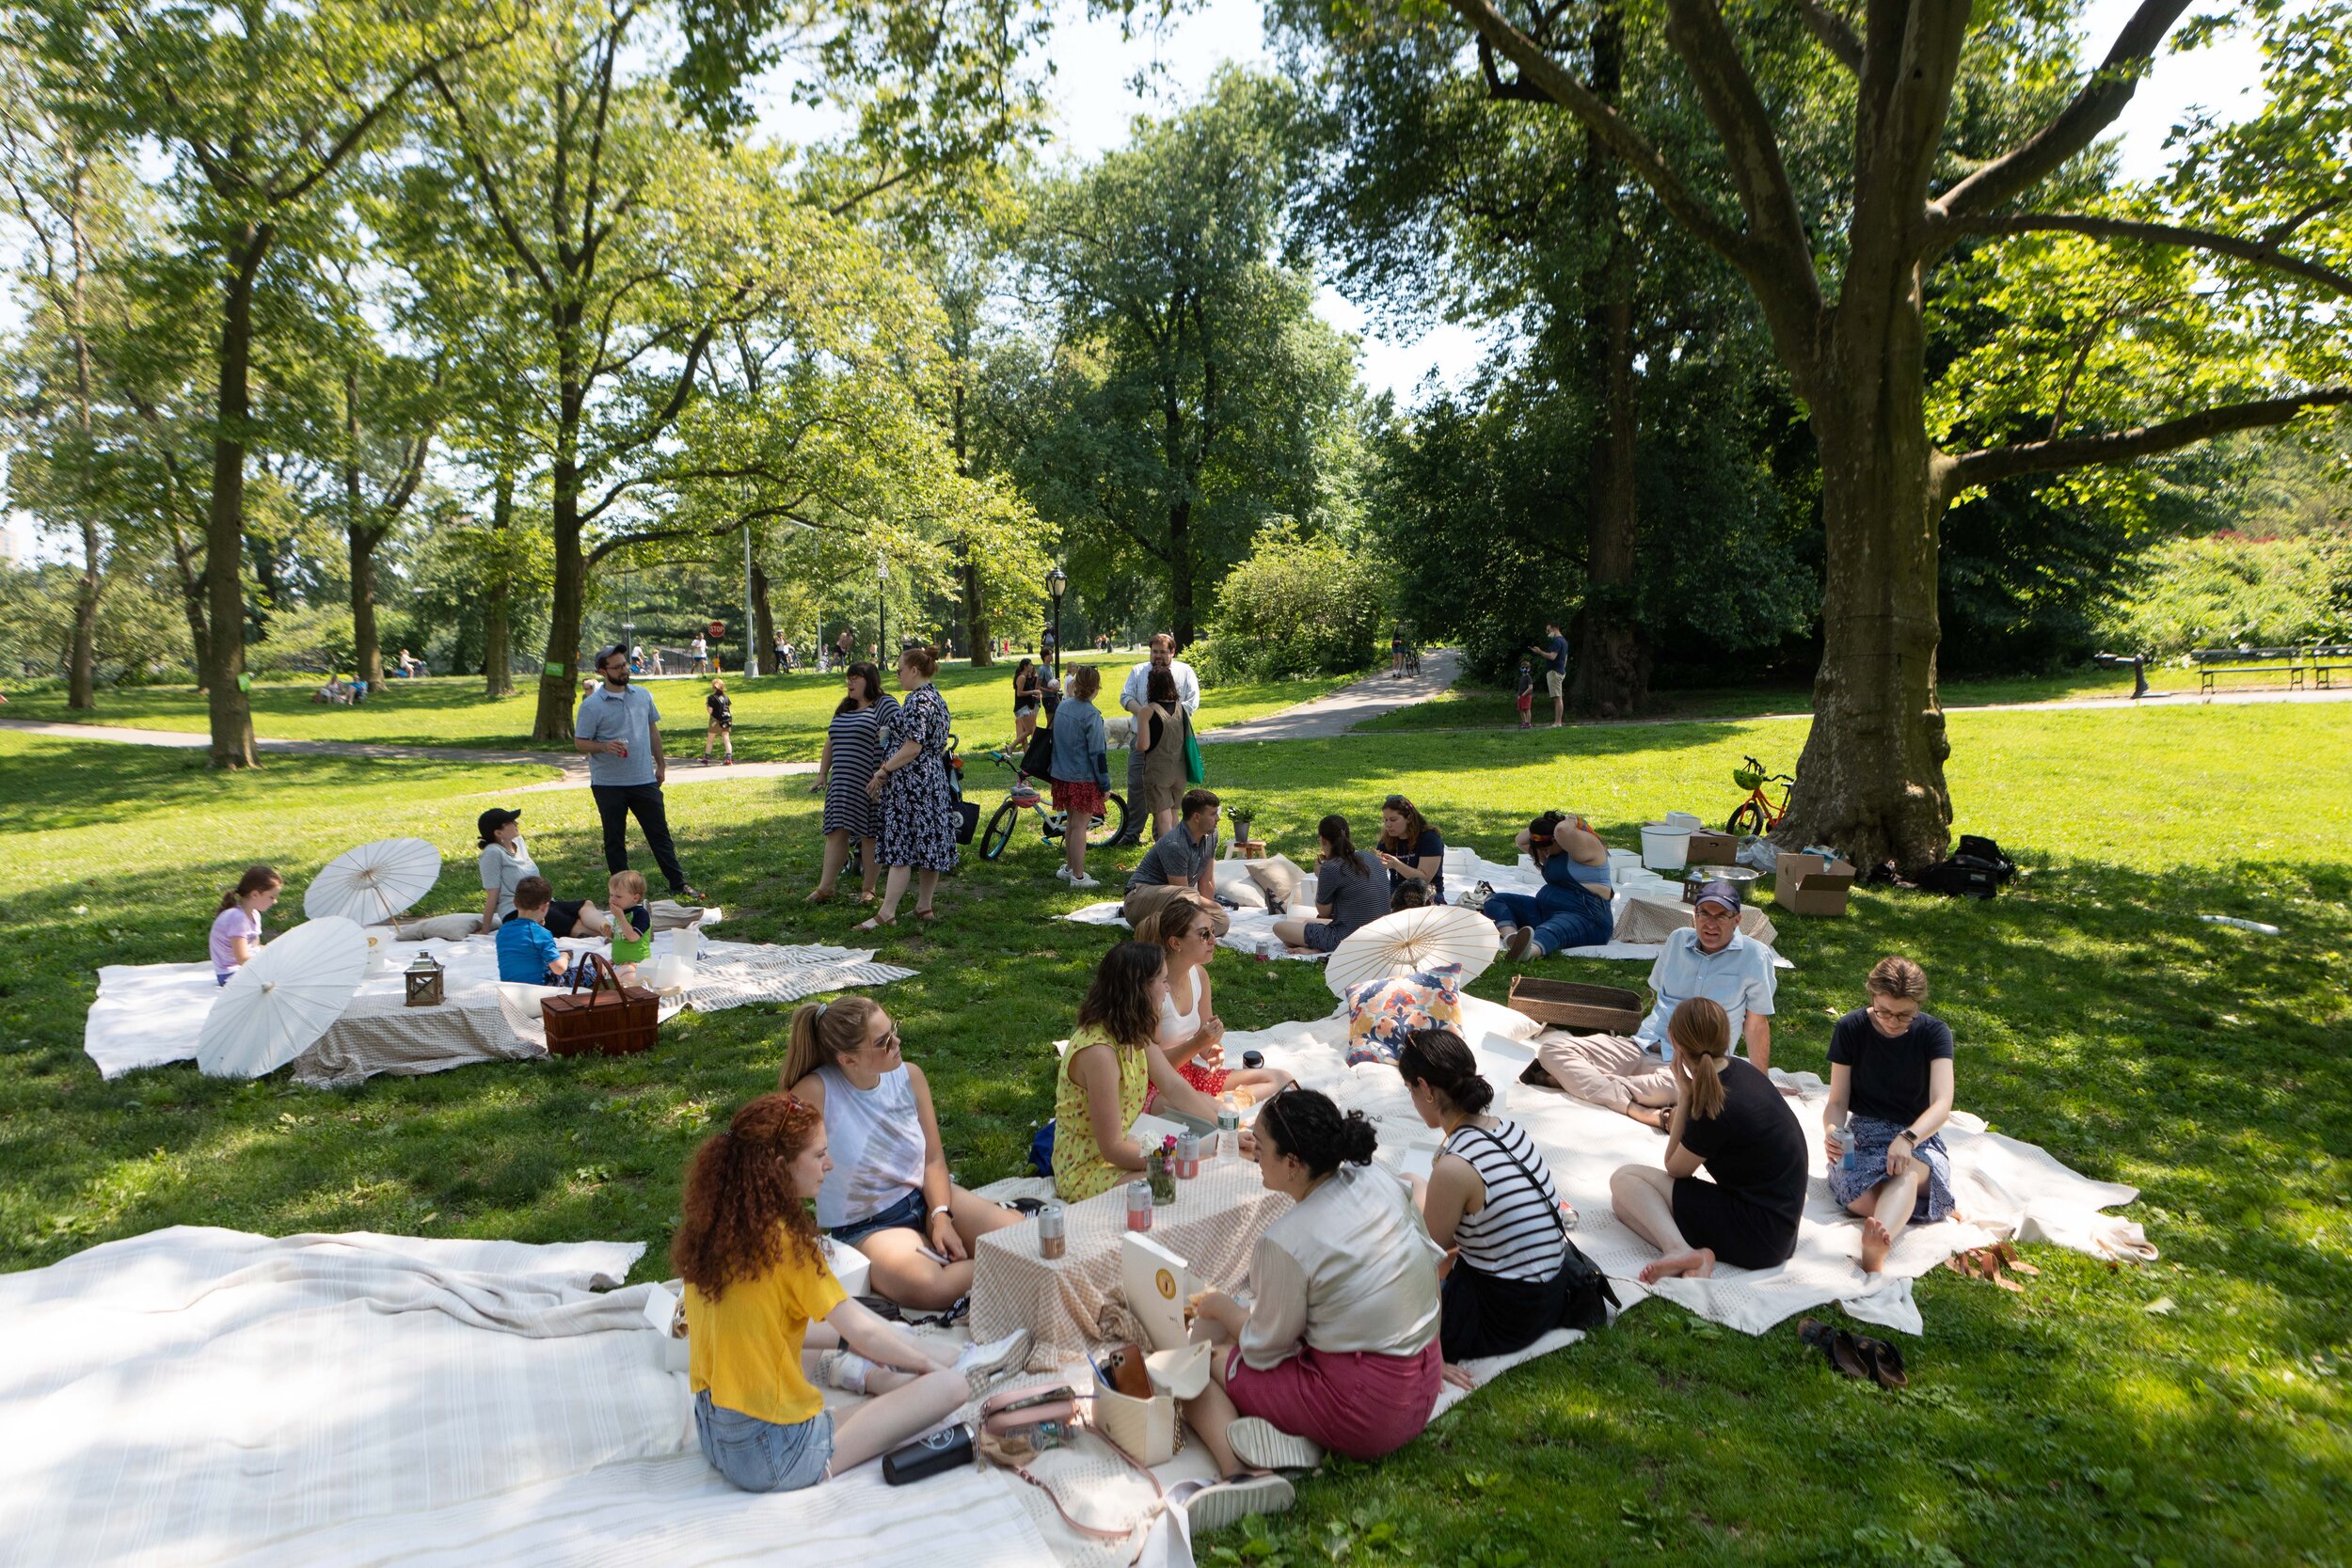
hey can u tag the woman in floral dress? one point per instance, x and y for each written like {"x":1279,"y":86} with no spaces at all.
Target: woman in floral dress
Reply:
{"x":918,"y":811}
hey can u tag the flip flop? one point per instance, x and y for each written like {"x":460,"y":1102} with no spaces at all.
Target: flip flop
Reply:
{"x":1884,"y":1360}
{"x":1837,"y":1347}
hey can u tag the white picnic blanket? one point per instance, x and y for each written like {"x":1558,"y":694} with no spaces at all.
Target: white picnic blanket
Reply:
{"x":1251,"y":931}
{"x":196,"y":1396}
{"x":149,"y":1014}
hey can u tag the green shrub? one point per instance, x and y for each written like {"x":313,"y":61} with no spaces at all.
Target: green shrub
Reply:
{"x":2229,"y":590}
{"x":1298,"y":606}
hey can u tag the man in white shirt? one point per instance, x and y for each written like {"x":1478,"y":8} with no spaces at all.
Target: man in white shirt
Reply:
{"x":701,"y":656}
{"x":1134,"y":698}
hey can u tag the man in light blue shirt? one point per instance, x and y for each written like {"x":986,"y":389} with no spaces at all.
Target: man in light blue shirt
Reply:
{"x":619,"y":731}
{"x":1710,"y":957}
{"x":1134,"y":696}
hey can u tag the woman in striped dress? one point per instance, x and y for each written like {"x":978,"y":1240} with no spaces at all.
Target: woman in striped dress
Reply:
{"x":1490,"y":1198}
{"x":854,"y":749}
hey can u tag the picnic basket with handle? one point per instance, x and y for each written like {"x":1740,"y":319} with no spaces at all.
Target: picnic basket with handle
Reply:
{"x":608,"y":1018}
{"x":1581,"y":1008}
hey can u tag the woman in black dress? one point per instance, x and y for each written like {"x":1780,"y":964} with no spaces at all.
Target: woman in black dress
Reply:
{"x":853,"y":747}
{"x":1729,"y":1119}
{"x":1027,"y":692}
{"x":918,"y":810}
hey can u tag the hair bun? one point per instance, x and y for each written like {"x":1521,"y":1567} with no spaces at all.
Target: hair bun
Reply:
{"x":1357,"y":1138}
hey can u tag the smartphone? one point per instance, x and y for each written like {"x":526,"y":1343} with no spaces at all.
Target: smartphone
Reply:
{"x":934,"y":1255}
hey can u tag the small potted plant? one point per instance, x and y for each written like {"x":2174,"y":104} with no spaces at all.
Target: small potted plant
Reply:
{"x":1241,"y":814}
{"x":1159,"y":1169}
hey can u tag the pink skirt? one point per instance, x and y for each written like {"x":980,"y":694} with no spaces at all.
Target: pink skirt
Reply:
{"x":1359,"y":1403}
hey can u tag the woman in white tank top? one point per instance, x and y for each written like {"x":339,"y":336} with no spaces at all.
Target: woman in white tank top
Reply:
{"x":1190,"y":1031}
{"x":887,"y":1193}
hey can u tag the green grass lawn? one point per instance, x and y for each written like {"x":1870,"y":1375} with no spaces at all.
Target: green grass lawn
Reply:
{"x":2188,"y":1412}
{"x":777,"y":718}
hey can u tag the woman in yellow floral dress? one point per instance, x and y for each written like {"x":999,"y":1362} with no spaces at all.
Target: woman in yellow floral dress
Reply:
{"x":1112,"y":1064}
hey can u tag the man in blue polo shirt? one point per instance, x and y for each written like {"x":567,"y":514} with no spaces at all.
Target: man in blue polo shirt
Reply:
{"x":1554,"y":649}
{"x":619,"y":730}
{"x":1709,"y":957}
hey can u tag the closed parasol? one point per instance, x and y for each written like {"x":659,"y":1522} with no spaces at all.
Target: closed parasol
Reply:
{"x":276,"y":1007}
{"x":374,"y":882}
{"x":1411,"y":940}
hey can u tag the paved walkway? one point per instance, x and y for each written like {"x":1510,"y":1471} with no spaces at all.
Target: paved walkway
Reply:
{"x":1337,"y":712}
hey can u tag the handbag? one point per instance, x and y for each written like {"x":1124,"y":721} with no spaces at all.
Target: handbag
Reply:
{"x":611,"y":1019}
{"x":1585,"y":1287}
{"x":1017,"y":1424}
{"x":1194,"y":771}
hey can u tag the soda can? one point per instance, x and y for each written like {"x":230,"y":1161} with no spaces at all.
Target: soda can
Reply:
{"x":1138,"y":1205}
{"x":1053,"y":1238}
{"x":1187,"y":1161}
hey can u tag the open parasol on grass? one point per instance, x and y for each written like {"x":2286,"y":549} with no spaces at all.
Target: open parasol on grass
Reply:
{"x":374,"y":882}
{"x":276,"y":1007}
{"x":1412,"y":940}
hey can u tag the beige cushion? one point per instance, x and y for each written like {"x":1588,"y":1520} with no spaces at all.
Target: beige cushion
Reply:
{"x":443,"y":927}
{"x":1278,"y":873}
{"x":1652,"y":920}
{"x":1237,"y":886}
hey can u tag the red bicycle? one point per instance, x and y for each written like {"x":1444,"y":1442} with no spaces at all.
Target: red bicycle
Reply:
{"x":1760,"y":813}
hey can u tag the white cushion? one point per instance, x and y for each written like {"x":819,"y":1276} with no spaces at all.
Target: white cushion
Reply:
{"x":1235,"y":885}
{"x":446,"y":928}
{"x":1278,"y":873}
{"x":1482,"y":1017}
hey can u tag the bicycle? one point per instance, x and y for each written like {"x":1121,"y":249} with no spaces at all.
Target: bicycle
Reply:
{"x":1758,"y":813}
{"x":1026,"y":797}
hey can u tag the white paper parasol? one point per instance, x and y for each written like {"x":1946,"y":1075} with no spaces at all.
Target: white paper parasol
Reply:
{"x":374,"y":882}
{"x":276,"y":1007}
{"x":1412,"y":940}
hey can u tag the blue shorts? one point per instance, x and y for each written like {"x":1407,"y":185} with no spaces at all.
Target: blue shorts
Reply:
{"x":908,"y":1211}
{"x":761,"y":1456}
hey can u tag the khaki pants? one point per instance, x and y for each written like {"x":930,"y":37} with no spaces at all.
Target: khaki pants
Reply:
{"x":1144,"y":901}
{"x":1608,"y":1070}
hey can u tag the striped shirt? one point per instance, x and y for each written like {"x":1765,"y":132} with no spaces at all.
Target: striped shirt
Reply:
{"x":1517,"y":1233}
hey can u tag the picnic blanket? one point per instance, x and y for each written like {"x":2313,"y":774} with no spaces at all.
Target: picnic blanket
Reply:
{"x":204,"y":1397}
{"x":150,"y":1014}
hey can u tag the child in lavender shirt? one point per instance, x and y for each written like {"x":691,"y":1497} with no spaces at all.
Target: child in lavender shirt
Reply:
{"x":237,"y":928}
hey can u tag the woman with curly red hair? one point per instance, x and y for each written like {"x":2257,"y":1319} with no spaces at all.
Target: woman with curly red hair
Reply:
{"x":758,"y":1294}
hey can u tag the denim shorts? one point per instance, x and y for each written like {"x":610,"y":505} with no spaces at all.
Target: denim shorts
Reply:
{"x":908,"y":1211}
{"x":761,"y":1456}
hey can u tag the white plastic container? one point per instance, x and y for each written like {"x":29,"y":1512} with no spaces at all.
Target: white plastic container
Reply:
{"x":1622,"y":862}
{"x":1666,"y":846}
{"x":1683,"y":819}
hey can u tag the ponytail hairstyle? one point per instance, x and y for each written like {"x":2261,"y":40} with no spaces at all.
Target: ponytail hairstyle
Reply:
{"x":1439,"y":1058}
{"x":1085,"y":682}
{"x":742,"y":1211}
{"x":1305,"y":1125}
{"x":1163,"y":925}
{"x":823,"y":1033}
{"x":1020,"y":670}
{"x":1333,"y":830}
{"x":1701,"y":1033}
{"x":1543,"y":835}
{"x":1119,"y":1002}
{"x":922,"y":658}
{"x":1899,"y":978}
{"x":257,"y":878}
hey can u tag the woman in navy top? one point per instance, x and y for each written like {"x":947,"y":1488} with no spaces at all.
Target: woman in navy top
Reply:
{"x":1574,"y":910}
{"x":1411,"y":848}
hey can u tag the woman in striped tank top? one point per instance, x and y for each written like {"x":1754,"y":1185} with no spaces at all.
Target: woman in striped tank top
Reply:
{"x":1490,"y":1200}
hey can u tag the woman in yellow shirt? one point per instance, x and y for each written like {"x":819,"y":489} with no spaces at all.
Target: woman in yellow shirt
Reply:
{"x":1114,"y":1062}
{"x":758,"y":1294}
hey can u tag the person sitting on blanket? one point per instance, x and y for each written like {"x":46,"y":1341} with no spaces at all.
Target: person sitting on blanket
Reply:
{"x":1892,"y":1065}
{"x":1728,"y":1118}
{"x":1190,"y":1031}
{"x":889,"y":1194}
{"x":1182,"y":860}
{"x":506,"y":861}
{"x":1490,"y":1201}
{"x":1411,"y":849}
{"x":1351,"y":891}
{"x":1339,"y":1348}
{"x":1574,"y":908}
{"x":1114,"y":1060}
{"x":1710,"y":957}
{"x":527,"y":952}
{"x":760,"y":1297}
{"x":631,"y":924}
{"x":237,"y":925}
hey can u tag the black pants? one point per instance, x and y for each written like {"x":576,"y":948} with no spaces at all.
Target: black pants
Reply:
{"x":1487,"y":1316}
{"x":615,"y":803}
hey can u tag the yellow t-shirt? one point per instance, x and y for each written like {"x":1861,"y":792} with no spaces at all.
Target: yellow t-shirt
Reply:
{"x":745,"y":1347}
{"x":1080,"y":1171}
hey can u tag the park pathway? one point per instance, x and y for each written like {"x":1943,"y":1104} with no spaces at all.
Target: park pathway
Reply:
{"x":1338,"y":712}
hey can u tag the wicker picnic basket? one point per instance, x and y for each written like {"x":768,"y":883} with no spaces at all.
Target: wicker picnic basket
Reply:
{"x":1583,"y":1009}
{"x":609,"y":1019}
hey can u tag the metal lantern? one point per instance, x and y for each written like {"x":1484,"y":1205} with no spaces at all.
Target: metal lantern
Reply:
{"x":423,"y":981}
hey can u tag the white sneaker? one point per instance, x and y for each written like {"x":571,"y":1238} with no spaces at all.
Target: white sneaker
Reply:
{"x":844,"y":1369}
{"x":1260,"y":1442}
{"x":1061,"y":872}
{"x":1224,"y":1502}
{"x":1084,"y":882}
{"x":983,"y":1364}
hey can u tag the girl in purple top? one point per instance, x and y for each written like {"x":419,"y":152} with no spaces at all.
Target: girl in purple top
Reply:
{"x":237,"y":928}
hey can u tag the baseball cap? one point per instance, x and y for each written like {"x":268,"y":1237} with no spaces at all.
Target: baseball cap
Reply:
{"x":1719,"y":891}
{"x":496,"y":818}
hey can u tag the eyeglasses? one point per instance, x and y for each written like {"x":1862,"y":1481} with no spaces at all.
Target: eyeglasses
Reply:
{"x":1886,"y":1015}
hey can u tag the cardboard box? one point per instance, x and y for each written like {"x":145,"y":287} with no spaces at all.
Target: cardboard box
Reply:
{"x":1712,"y":848}
{"x":1808,"y":884}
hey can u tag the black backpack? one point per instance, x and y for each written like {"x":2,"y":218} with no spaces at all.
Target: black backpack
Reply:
{"x":1977,"y":870}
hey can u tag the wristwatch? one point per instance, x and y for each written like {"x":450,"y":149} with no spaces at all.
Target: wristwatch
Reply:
{"x":1907,"y":1133}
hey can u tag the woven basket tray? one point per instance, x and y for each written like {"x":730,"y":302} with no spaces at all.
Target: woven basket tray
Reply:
{"x":1568,"y":1005}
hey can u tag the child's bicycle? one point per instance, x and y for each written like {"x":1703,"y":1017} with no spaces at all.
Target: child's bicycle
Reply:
{"x":1759,"y":813}
{"x":1051,"y":824}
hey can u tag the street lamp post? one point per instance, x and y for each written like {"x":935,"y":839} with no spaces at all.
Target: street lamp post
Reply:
{"x":1057,"y":583}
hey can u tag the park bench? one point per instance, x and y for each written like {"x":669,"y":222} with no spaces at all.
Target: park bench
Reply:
{"x":2308,"y":666}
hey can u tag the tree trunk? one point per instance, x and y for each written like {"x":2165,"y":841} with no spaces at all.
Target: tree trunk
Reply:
{"x":81,"y":684}
{"x":1871,"y":783}
{"x":192,"y":592}
{"x":975,"y":612}
{"x":224,"y":531}
{"x":763,"y":621}
{"x":498,"y":664}
{"x":559,"y":683}
{"x":1179,"y":572}
{"x":367,"y":651}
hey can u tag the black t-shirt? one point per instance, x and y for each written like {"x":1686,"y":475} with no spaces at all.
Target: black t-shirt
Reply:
{"x":1753,"y":1147}
{"x":1431,"y":848}
{"x":722,"y":707}
{"x":1890,"y":1076}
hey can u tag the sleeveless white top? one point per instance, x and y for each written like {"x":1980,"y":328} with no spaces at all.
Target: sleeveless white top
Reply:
{"x":876,"y":1139}
{"x":1175,"y":1027}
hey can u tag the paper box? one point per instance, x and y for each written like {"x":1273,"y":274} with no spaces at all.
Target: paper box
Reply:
{"x":1157,"y":1284}
{"x":1808,"y":884}
{"x":1711,"y":848}
{"x":663,"y":1317}
{"x":849,"y":1265}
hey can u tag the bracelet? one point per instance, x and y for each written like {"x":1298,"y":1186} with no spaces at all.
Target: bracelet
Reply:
{"x":942,"y":1209}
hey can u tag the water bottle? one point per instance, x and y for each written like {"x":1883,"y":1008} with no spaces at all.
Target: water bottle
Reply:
{"x":1845,"y":1147}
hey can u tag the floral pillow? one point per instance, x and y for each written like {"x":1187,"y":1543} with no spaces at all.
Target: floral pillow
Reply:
{"x":1382,"y":1013}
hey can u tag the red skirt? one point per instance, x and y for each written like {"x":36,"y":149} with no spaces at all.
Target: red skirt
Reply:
{"x":1208,"y":1080}
{"x":1076,"y":797}
{"x":1357,"y":1402}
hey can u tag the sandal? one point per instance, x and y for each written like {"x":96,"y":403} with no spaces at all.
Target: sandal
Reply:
{"x":875,"y":923}
{"x":1886,"y":1362}
{"x":1837,"y":1347}
{"x":821,"y":896}
{"x":927,"y":914}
